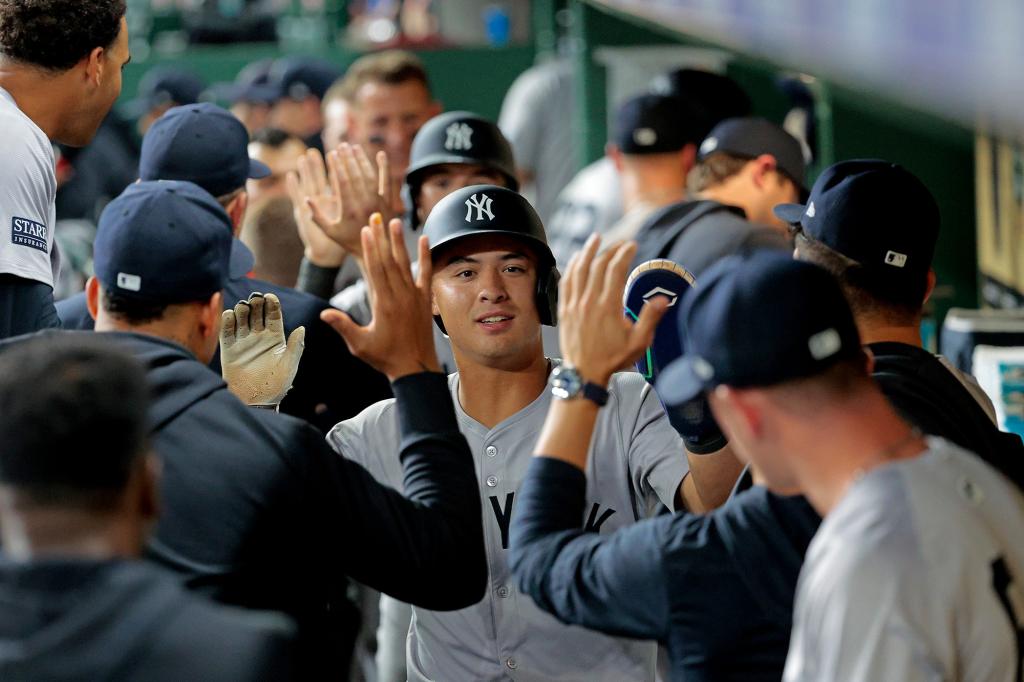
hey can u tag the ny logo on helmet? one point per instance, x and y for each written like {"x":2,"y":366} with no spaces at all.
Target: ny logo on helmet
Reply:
{"x":482,"y":204}
{"x":459,"y":135}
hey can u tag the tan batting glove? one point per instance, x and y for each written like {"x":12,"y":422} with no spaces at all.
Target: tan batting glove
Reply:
{"x":256,"y":362}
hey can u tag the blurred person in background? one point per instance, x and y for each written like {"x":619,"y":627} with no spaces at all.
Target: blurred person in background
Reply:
{"x":300,"y":84}
{"x":592,"y":203}
{"x":389,"y":99}
{"x":270,"y":232}
{"x":279,"y":151}
{"x":335,"y":113}
{"x":652,"y":155}
{"x":249,"y":96}
{"x":745,"y":167}
{"x":161,"y":89}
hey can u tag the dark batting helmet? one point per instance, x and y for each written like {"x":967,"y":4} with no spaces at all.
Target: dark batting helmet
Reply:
{"x":456,"y":137}
{"x":488,"y":209}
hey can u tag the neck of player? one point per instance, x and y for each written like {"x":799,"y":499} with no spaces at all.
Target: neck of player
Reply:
{"x":37,"y":94}
{"x":491,"y":393}
{"x":862,"y":434}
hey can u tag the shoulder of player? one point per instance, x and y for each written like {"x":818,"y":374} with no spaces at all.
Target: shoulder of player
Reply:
{"x":17,"y":131}
{"x":629,"y":392}
{"x":870,"y":533}
{"x":377,"y":421}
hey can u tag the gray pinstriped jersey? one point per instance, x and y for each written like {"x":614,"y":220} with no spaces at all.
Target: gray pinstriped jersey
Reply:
{"x":28,"y":189}
{"x":636,"y":460}
{"x":915,"y":575}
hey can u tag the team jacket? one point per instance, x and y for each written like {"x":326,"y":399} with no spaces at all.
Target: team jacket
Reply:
{"x":331,"y":384}
{"x":83,"y":620}
{"x":259,"y":512}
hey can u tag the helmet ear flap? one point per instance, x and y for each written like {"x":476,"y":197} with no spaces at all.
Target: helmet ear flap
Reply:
{"x":408,"y":194}
{"x":547,"y":296}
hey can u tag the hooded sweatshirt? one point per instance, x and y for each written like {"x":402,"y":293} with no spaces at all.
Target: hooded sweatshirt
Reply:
{"x":80,"y":619}
{"x":259,"y":512}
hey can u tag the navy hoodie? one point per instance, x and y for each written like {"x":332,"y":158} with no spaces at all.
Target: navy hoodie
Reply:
{"x":259,"y":512}
{"x":65,"y":619}
{"x":331,"y":385}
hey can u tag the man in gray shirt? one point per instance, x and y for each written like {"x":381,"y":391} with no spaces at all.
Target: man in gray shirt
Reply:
{"x":912,"y":573}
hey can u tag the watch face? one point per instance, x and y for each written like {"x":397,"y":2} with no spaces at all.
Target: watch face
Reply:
{"x":565,"y":383}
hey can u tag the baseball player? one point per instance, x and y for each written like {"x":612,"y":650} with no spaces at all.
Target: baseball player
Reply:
{"x":450,"y":151}
{"x":58,"y":80}
{"x":883,"y":260}
{"x":912,"y":573}
{"x":494,"y":285}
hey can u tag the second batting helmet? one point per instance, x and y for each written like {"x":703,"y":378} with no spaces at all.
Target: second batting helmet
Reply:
{"x":456,"y":137}
{"x":488,"y":209}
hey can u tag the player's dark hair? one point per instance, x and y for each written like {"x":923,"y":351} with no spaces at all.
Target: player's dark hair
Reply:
{"x":868,"y":293}
{"x":57,"y":34}
{"x":275,"y":138}
{"x":72,"y":420}
{"x":131,"y":311}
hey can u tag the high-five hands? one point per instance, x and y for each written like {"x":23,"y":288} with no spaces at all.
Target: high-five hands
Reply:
{"x":256,"y":362}
{"x":595,"y":336}
{"x":348,"y":195}
{"x":310,"y":180}
{"x":400,"y":339}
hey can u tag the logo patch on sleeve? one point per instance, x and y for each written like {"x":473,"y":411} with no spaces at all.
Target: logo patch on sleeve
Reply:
{"x":25,"y":232}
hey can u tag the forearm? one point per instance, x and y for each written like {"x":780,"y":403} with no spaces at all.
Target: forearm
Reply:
{"x":579,"y":576}
{"x":440,"y":478}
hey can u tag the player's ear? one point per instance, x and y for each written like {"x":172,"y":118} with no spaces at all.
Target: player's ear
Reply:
{"x":688,"y":158}
{"x":92,"y":296}
{"x":613,"y":152}
{"x":210,"y":315}
{"x":930,"y":287}
{"x":736,"y":412}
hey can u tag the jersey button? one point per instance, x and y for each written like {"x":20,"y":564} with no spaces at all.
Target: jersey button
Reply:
{"x":492,"y":481}
{"x":503,"y":592}
{"x":511,"y":663}
{"x":491,"y":451}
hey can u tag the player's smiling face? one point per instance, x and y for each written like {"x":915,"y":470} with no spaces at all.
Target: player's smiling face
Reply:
{"x":483,"y":290}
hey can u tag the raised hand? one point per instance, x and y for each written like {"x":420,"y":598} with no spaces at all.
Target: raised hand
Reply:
{"x":400,"y":339}
{"x":352,"y":192}
{"x":310,"y":180}
{"x":256,"y":362}
{"x":594,"y":335}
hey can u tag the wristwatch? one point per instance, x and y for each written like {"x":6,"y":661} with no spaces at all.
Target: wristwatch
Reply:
{"x":566,"y":384}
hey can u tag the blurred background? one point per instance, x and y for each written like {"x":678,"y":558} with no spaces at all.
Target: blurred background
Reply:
{"x":931,"y":84}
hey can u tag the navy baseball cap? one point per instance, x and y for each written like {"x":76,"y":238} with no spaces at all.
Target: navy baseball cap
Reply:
{"x":873,"y":212}
{"x":163,"y":242}
{"x":650,"y":124}
{"x":751,"y":137}
{"x":758,"y":321}
{"x":164,"y":85}
{"x":200,"y":143}
{"x":252,"y":84}
{"x":299,"y":77}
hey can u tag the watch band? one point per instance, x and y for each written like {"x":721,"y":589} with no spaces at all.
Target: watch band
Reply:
{"x":595,"y":393}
